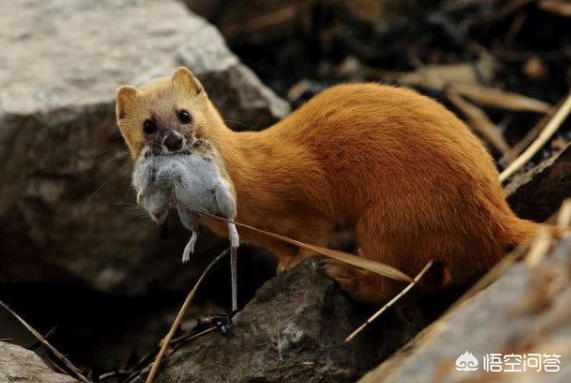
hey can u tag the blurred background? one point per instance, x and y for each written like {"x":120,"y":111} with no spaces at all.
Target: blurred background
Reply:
{"x":85,"y":266}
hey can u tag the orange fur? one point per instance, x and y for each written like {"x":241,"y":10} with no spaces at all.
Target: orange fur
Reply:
{"x":401,"y":169}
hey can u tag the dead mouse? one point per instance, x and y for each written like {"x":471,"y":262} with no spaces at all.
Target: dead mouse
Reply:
{"x":192,"y":183}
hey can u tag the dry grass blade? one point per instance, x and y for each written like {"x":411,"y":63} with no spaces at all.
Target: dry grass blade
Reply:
{"x":363,"y":263}
{"x":500,"y":99}
{"x":543,"y":137}
{"x":478,"y":120}
{"x":166,"y":341}
{"x":72,"y":369}
{"x":391,"y":302}
{"x":564,"y":216}
{"x":539,"y":247}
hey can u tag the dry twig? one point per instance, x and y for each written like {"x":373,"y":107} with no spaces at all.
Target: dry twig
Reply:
{"x":543,"y":137}
{"x":167,"y":339}
{"x":391,"y":302}
{"x":66,"y":362}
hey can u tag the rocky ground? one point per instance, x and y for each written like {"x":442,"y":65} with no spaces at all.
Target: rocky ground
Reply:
{"x":83,"y":265}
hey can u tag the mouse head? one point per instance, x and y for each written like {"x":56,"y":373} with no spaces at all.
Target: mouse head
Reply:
{"x":153,"y":186}
{"x":165,"y":116}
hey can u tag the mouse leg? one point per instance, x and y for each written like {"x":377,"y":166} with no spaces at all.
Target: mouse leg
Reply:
{"x":234,"y":243}
{"x":190,"y":221}
{"x":189,"y":248}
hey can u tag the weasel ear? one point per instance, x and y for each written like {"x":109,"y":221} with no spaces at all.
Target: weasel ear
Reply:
{"x":185,"y":78}
{"x":125,"y":96}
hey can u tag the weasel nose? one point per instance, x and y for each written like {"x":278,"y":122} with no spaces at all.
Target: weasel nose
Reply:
{"x":173,"y":142}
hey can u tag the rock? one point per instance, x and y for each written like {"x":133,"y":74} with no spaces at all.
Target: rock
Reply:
{"x":526,"y":311}
{"x":292,"y":331}
{"x":66,"y":212}
{"x":538,"y":193}
{"x":20,"y":365}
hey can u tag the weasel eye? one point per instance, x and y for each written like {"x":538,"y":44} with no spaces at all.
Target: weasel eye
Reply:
{"x":184,"y":116}
{"x":149,"y":127}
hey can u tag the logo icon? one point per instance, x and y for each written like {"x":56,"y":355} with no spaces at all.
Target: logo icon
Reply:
{"x":467,"y":362}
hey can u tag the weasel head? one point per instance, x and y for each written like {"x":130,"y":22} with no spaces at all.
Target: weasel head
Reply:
{"x":166,"y":116}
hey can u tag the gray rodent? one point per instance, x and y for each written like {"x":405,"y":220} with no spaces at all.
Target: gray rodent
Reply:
{"x":192,"y":182}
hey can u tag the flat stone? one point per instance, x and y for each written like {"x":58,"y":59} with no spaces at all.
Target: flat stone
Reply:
{"x":23,"y":366}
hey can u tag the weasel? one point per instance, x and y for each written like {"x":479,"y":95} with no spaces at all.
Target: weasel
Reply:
{"x":412,"y":180}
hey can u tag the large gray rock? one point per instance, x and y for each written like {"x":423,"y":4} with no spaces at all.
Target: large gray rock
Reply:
{"x":66,"y":211}
{"x":20,"y":365}
{"x":292,"y":331}
{"x":526,"y":311}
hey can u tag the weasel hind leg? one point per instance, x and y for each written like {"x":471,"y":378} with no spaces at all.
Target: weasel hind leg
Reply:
{"x":376,"y":245}
{"x":363,"y":285}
